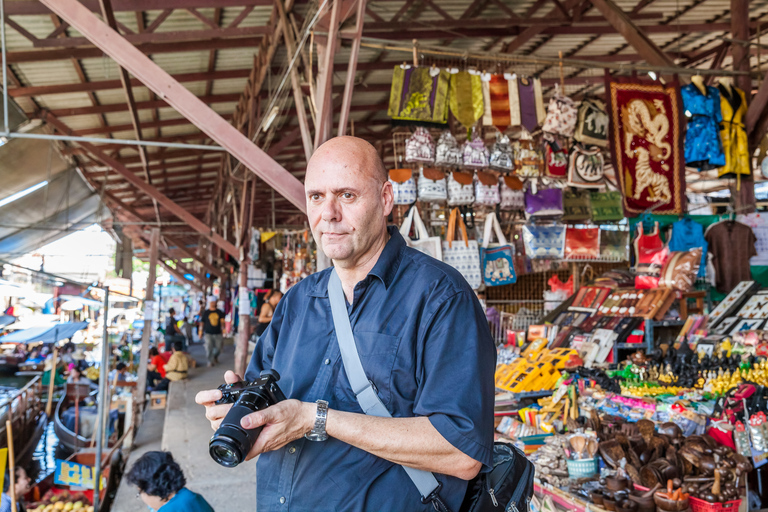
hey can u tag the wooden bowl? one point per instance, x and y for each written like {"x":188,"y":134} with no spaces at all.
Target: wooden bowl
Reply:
{"x":626,"y":506}
{"x":609,"y":504}
{"x":597,"y":497}
{"x":668,"y":504}
{"x":615,"y":484}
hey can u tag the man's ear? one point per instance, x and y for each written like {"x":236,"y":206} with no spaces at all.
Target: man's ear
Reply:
{"x":387,"y":198}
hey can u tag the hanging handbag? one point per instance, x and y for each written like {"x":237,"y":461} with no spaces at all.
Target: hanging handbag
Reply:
{"x":419,"y":147}
{"x":585,"y":167}
{"x":430,"y":245}
{"x":460,"y":188}
{"x":509,"y":484}
{"x":546,"y":202}
{"x":614,"y":245}
{"x":582,"y":243}
{"x":498,"y":260}
{"x":556,"y":160}
{"x":431,"y":186}
{"x":501,"y":158}
{"x":447,"y":151}
{"x":528,"y":160}
{"x":651,"y":253}
{"x":561,"y":116}
{"x":576,"y":206}
{"x":463,"y":254}
{"x":474,"y":153}
{"x":606,"y":206}
{"x":592,"y":124}
{"x":487,"y":189}
{"x":403,"y":186}
{"x":544,"y":242}
{"x":512,"y":195}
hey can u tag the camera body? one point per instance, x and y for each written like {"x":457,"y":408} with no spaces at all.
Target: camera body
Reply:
{"x":231,"y":443}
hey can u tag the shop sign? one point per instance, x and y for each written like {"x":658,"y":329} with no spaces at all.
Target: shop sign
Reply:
{"x":74,"y":475}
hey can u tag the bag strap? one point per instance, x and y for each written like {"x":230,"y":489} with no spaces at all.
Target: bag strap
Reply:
{"x":421,"y":229}
{"x":492,"y":222}
{"x":405,"y":227}
{"x":363,"y":388}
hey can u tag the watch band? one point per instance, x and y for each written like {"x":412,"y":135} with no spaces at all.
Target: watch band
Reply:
{"x":318,"y":432}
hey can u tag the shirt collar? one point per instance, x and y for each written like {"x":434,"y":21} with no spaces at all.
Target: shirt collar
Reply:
{"x":385,"y":268}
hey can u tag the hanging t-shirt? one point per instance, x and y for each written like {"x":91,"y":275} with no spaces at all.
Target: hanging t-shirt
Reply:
{"x":686,"y":235}
{"x":731,"y":244}
{"x":759,"y":224}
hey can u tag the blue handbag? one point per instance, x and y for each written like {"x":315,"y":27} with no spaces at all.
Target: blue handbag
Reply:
{"x":497,"y":262}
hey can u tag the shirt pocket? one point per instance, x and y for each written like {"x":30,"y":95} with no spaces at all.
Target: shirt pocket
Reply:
{"x":377,"y":354}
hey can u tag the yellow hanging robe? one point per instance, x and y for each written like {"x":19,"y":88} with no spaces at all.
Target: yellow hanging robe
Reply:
{"x":733,"y":134}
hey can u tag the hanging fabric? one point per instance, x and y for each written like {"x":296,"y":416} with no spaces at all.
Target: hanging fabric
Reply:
{"x":403,"y":186}
{"x":646,"y":126}
{"x":419,"y":94}
{"x":447,"y":151}
{"x":733,"y":104}
{"x":531,"y":103}
{"x":501,"y":157}
{"x":585,"y":167}
{"x":592,"y":125}
{"x":561,"y":116}
{"x":462,"y":254}
{"x":703,"y":148}
{"x":430,"y":245}
{"x":498,"y":94}
{"x":466,"y":98}
{"x":420,"y":147}
{"x":497,"y":260}
{"x":460,"y":188}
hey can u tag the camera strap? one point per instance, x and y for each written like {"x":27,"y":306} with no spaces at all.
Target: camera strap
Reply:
{"x":369,"y":401}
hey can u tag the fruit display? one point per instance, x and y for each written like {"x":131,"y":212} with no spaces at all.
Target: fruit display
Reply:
{"x":61,"y":501}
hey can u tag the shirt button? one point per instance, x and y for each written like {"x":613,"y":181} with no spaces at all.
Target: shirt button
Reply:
{"x":282,"y":499}
{"x":292,"y":449}
{"x":327,"y":361}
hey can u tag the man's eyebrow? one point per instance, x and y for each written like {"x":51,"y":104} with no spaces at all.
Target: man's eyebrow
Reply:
{"x":334,"y":191}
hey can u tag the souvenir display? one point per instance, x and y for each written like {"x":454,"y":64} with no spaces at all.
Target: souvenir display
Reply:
{"x":546,"y":202}
{"x":528,"y":160}
{"x":512,"y":195}
{"x":501,"y":158}
{"x":447,"y":151}
{"x":561,"y":116}
{"x":403,"y":186}
{"x":759,"y":224}
{"x":462,"y":254}
{"x":419,"y":147}
{"x":614,"y":245}
{"x":688,"y":234}
{"x":466,"y":97}
{"x":544,"y":242}
{"x":592,"y":125}
{"x":460,"y":188}
{"x":576,"y":206}
{"x":703,"y":148}
{"x":432,"y":186}
{"x":755,"y":307}
{"x":646,"y":130}
{"x":530,"y":103}
{"x":419,"y":94}
{"x":556,"y":160}
{"x":732,"y":302}
{"x":733,"y":104}
{"x":429,"y":245}
{"x":487,"y":189}
{"x":497,"y":92}
{"x":582,"y":243}
{"x":585,"y":167}
{"x":496,"y":260}
{"x":606,"y":206}
{"x":680,"y":270}
{"x":474,"y":153}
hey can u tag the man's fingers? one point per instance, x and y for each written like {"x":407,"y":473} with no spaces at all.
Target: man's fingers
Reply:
{"x":231,"y":377}
{"x":257,"y":419}
{"x":217,"y":412}
{"x":207,"y":397}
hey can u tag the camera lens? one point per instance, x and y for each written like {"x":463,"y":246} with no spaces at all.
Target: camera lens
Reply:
{"x":224,"y":453}
{"x":231,"y":443}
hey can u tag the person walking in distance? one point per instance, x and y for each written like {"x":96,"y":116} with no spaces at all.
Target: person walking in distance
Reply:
{"x":210,"y":331}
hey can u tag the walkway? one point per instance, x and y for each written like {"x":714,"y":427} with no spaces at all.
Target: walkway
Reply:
{"x":186,"y":433}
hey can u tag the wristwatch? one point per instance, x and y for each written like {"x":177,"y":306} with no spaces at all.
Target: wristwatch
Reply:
{"x":318,"y":431}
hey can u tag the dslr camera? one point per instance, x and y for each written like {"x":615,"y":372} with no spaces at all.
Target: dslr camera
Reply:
{"x":231,"y":443}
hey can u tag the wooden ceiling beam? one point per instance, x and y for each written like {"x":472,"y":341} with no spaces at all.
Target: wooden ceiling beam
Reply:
{"x":140,"y":105}
{"x":27,"y":7}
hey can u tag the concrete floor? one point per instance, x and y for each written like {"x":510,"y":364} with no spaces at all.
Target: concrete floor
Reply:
{"x":186,"y":433}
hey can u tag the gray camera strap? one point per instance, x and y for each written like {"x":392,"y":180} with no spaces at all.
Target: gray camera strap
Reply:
{"x":366,"y":395}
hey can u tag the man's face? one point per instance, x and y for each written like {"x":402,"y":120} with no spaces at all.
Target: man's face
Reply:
{"x":212,"y":306}
{"x":346,"y":203}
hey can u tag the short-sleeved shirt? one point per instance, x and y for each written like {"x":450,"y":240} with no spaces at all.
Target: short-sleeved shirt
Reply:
{"x":425,"y":344}
{"x":731,"y":244}
{"x":159,"y":362}
{"x":212,"y":321}
{"x":186,"y":501}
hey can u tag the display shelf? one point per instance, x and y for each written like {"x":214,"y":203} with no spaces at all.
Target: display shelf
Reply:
{"x":567,"y":501}
{"x":528,"y":394}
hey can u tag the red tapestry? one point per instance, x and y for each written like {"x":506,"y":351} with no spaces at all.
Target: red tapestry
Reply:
{"x":646,"y":135}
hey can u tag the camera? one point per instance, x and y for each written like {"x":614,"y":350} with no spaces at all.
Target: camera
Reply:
{"x":231,"y":443}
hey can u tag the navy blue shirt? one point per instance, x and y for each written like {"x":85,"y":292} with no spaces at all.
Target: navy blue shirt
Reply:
{"x":423,"y":340}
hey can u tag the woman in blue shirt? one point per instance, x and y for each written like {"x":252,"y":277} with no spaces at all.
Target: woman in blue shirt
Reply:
{"x":161,"y":485}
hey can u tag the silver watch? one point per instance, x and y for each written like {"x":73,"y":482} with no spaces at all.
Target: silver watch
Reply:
{"x":318,"y":431}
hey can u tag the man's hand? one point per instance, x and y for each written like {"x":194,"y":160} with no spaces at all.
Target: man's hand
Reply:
{"x":283,"y":423}
{"x":215,"y":413}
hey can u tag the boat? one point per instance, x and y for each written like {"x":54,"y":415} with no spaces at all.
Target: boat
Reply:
{"x":80,"y":435}
{"x":10,"y":358}
{"x":25,"y":410}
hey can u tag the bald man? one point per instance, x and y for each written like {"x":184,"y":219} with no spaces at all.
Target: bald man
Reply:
{"x":424,"y":344}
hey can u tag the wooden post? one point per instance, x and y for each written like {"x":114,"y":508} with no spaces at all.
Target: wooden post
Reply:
{"x":52,"y":380}
{"x":11,"y":464}
{"x":149,"y":308}
{"x":244,"y":329}
{"x":349,"y":85}
{"x":740,"y":52}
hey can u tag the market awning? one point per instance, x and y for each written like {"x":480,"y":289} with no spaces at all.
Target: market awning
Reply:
{"x":6,"y":320}
{"x":46,"y":334}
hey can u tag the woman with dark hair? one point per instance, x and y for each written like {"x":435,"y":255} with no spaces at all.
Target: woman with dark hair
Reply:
{"x":22,"y":487}
{"x":267,"y":310}
{"x":161,"y":485}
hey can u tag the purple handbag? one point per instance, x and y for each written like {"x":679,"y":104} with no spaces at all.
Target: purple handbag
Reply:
{"x":546,"y":202}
